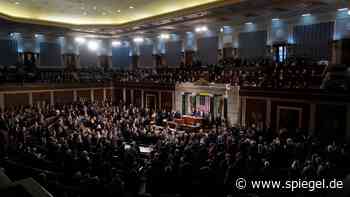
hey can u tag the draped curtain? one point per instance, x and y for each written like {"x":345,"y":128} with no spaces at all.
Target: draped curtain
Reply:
{"x":314,"y":41}
{"x":50,"y":54}
{"x":8,"y":55}
{"x":173,"y":53}
{"x":88,"y":58}
{"x":252,"y":44}
{"x":120,"y":57}
{"x":146,"y":58}
{"x":208,"y":50}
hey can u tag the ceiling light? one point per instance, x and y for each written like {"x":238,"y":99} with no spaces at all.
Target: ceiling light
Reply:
{"x":164,"y":36}
{"x":119,"y":11}
{"x":201,"y":29}
{"x":80,"y":40}
{"x":307,"y":14}
{"x":17,"y":3}
{"x":14,"y":34}
{"x":221,"y":29}
{"x":275,"y":19}
{"x":116,"y":43}
{"x":131,"y":7}
{"x":249,"y":23}
{"x":138,"y":39}
{"x":342,"y":9}
{"x":349,"y":12}
{"x":93,"y":45}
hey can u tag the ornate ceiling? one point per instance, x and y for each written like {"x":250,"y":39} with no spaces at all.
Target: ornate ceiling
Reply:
{"x":95,"y":12}
{"x":215,"y":14}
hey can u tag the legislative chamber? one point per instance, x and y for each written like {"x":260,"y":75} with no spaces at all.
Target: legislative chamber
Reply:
{"x":184,"y":98}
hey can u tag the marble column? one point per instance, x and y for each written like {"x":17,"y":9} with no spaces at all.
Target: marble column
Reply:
{"x":173,"y":105}
{"x":2,"y":101}
{"x":243,"y":114}
{"x":92,"y":95}
{"x":30,"y":98}
{"x":268,"y":114}
{"x":142,"y":99}
{"x":52,"y":98}
{"x":104,"y":94}
{"x":124,"y":95}
{"x":312,"y":123}
{"x":160,"y":100}
{"x":75,"y":95}
{"x":233,"y":105}
{"x":132,"y":96}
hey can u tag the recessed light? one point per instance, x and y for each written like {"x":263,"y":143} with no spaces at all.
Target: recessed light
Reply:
{"x":342,"y":9}
{"x":80,"y":40}
{"x":17,"y":3}
{"x":116,"y":43}
{"x":164,"y":36}
{"x":93,"y":45}
{"x":201,"y":29}
{"x":138,"y":39}
{"x":119,"y":11}
{"x":131,"y":7}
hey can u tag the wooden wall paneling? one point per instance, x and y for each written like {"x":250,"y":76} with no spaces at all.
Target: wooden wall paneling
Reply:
{"x":41,"y":97}
{"x":98,"y":95}
{"x":13,"y":100}
{"x":63,"y":97}
{"x":256,"y":112}
{"x":84,"y":95}
{"x":330,"y":121}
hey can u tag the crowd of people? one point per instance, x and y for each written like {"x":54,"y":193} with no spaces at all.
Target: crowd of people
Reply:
{"x":297,"y":74}
{"x":105,"y":149}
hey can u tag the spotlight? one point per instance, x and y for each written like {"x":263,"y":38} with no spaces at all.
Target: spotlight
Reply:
{"x":342,"y":9}
{"x":80,"y":40}
{"x":164,"y":36}
{"x":307,"y":14}
{"x":116,"y":43}
{"x":93,"y":45}
{"x":204,"y":28}
{"x":201,"y":29}
{"x":138,"y":39}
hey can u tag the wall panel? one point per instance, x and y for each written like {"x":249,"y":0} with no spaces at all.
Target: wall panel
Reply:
{"x":50,"y":54}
